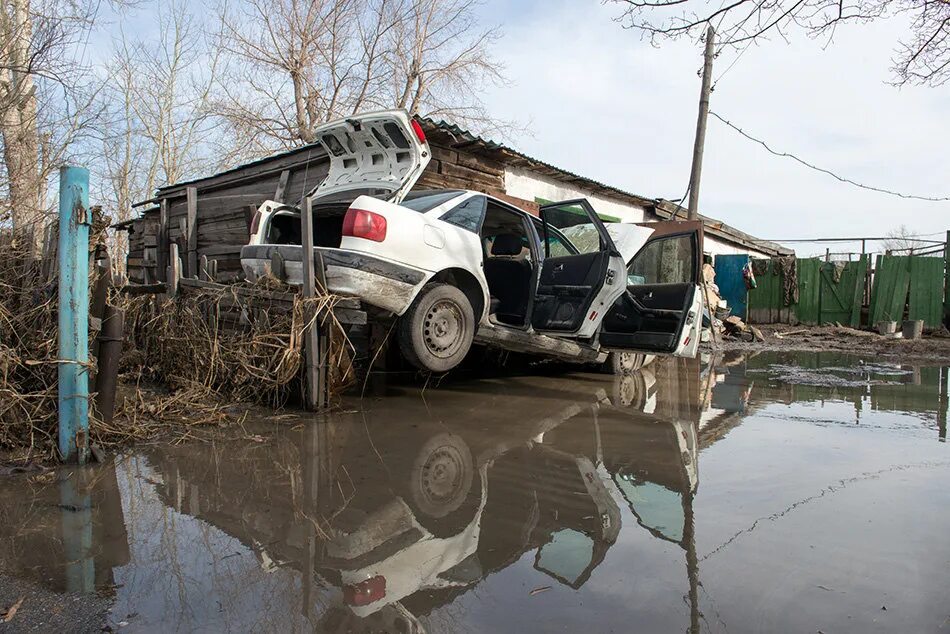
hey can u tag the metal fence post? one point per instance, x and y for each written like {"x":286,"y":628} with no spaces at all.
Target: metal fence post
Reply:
{"x":73,"y":395}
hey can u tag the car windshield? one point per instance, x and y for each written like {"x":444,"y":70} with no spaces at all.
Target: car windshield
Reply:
{"x":423,"y":201}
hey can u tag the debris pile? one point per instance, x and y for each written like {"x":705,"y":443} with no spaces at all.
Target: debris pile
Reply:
{"x":186,"y":361}
{"x":28,"y":347}
{"x":219,"y":343}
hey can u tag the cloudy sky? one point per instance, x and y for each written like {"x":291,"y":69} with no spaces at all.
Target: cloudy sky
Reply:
{"x":598,"y":101}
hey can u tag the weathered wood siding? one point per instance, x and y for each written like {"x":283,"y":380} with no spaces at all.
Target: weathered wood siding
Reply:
{"x":226,"y":202}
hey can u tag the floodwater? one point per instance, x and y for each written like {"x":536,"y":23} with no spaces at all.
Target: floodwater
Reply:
{"x":778,"y":493}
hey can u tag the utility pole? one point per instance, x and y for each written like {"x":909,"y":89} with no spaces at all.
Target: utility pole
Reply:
{"x":697,"y":169}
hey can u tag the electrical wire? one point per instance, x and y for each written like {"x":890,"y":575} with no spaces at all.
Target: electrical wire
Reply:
{"x":842,"y":179}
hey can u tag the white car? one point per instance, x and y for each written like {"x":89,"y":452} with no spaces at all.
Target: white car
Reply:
{"x":457,"y":267}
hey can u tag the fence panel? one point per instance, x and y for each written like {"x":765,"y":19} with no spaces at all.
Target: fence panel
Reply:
{"x":842,"y":291}
{"x":891,"y":284}
{"x":760,"y":298}
{"x":926,"y":286}
{"x":731,"y":284}
{"x":809,"y":291}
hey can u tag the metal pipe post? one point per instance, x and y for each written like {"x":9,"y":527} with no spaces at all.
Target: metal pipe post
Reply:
{"x":73,"y":395}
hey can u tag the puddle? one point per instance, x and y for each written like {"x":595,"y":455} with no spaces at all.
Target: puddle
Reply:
{"x":700,"y":495}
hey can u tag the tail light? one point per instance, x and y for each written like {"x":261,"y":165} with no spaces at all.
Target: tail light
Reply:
{"x":365,"y":592}
{"x":359,"y":223}
{"x":420,"y":133}
{"x":256,"y":222}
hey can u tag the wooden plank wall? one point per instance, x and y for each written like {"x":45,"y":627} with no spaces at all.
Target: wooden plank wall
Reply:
{"x":765,"y":300}
{"x":224,"y":209}
{"x":809,"y":291}
{"x":889,"y":291}
{"x":454,"y":169}
{"x":911,"y":285}
{"x":840,"y":302}
{"x":926,"y":284}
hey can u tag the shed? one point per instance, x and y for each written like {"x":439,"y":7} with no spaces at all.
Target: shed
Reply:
{"x":212,"y":216}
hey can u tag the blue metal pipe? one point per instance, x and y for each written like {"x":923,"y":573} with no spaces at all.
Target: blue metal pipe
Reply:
{"x":73,"y":399}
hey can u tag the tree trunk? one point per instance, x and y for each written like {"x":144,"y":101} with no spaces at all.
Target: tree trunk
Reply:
{"x":18,"y":124}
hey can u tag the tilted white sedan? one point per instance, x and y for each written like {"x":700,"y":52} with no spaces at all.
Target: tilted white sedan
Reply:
{"x":457,"y":266}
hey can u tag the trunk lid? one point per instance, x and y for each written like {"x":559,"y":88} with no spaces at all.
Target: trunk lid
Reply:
{"x":383,"y":150}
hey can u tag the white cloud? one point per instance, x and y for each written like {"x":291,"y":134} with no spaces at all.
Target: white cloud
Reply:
{"x":606,"y":105}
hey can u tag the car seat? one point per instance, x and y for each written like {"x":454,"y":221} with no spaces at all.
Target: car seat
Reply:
{"x":509,"y":280}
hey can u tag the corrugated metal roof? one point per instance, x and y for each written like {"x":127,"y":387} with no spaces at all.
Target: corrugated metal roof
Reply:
{"x":470,"y":138}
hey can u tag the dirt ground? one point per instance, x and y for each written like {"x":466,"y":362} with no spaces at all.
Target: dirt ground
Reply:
{"x":933,"y":347}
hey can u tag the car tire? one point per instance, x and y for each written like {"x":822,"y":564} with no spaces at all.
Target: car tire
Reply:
{"x":622,"y":363}
{"x":443,"y":489}
{"x":629,"y":391}
{"x":436,"y":332}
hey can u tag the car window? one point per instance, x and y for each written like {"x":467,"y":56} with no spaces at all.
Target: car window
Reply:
{"x":424,"y":201}
{"x":664,"y":261}
{"x":467,"y":215}
{"x":574,"y":226}
{"x":558,"y":244}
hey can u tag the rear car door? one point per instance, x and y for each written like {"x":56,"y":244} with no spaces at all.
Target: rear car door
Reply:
{"x":661,"y":308}
{"x":578,"y":281}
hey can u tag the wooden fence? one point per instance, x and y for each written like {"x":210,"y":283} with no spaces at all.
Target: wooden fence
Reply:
{"x":853,"y":293}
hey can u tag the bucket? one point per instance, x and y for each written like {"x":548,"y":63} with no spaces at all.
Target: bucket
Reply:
{"x":887,"y":327}
{"x":913,"y":328}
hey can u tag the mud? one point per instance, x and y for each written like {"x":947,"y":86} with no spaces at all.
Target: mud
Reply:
{"x":933,"y":347}
{"x":710,"y":495}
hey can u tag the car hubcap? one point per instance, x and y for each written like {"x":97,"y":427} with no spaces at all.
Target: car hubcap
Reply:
{"x":443,"y":328}
{"x":442,"y":475}
{"x":626,"y":361}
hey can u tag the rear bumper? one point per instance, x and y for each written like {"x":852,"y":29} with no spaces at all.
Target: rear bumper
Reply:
{"x":382,"y":283}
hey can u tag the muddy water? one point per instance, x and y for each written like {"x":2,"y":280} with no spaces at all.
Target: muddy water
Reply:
{"x":793,"y":492}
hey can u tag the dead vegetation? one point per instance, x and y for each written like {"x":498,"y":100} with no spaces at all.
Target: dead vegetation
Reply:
{"x":223,"y":343}
{"x":28,"y":348}
{"x":188,"y":363}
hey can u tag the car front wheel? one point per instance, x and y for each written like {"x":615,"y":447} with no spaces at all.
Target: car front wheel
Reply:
{"x":436,"y":332}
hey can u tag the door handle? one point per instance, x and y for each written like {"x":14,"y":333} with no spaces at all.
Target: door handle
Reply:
{"x":558,"y":267}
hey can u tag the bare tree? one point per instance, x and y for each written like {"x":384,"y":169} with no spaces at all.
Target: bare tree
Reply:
{"x":159,"y":129}
{"x":902,"y":240}
{"x":439,"y":53}
{"x":294,"y":64}
{"x":922,"y":58}
{"x":46,"y":104}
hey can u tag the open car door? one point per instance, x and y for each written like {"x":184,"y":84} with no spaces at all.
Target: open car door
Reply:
{"x":661,"y":309}
{"x":581,"y":273}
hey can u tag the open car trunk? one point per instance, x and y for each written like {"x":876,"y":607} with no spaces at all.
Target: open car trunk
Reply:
{"x":379,"y":154}
{"x":283,"y":227}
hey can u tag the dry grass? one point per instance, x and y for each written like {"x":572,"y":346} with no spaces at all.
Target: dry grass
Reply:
{"x":28,"y":348}
{"x":196,"y":356}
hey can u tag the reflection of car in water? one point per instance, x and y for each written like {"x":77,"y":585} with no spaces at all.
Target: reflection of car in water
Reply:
{"x":413,"y":514}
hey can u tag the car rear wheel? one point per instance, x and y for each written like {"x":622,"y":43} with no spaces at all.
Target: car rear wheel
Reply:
{"x":436,"y":332}
{"x":621,"y":363}
{"x":443,"y":488}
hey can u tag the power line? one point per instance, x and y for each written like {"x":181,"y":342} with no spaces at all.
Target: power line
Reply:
{"x":913,"y":238}
{"x":829,"y":172}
